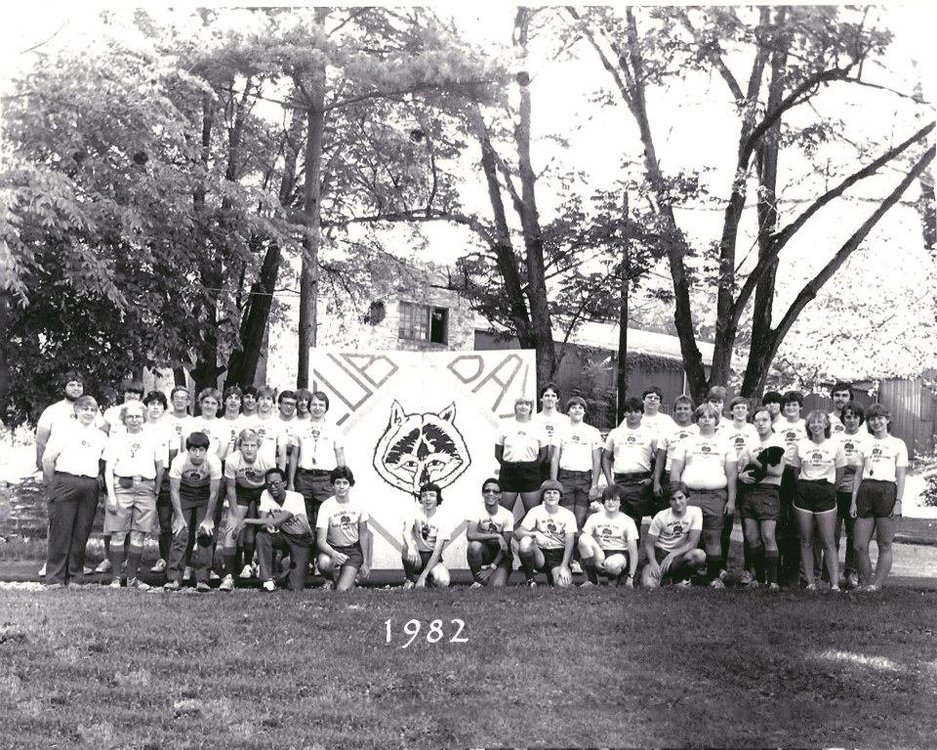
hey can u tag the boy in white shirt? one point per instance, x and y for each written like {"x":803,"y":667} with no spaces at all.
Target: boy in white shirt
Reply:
{"x":546,"y":538}
{"x":671,"y":543}
{"x":609,"y":542}
{"x":488,"y":531}
{"x":343,"y":539}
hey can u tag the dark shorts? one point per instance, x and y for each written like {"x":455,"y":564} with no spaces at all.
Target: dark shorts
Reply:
{"x":814,"y":496}
{"x":876,"y":499}
{"x":552,"y":558}
{"x":576,"y":486}
{"x":520,"y":476}
{"x":713,"y":505}
{"x":843,"y":503}
{"x":490,"y":552}
{"x":678,"y":571}
{"x":249,"y":496}
{"x":635,"y":496}
{"x":760,"y":502}
{"x":424,"y":558}
{"x":355,"y":555}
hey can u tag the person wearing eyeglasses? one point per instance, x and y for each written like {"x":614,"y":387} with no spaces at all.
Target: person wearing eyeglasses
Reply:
{"x":489,"y":530}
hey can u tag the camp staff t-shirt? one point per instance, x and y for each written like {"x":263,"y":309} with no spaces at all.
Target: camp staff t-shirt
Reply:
{"x":791,"y":433}
{"x":79,"y":448}
{"x":751,"y":454}
{"x":267,"y":430}
{"x":819,"y":461}
{"x":249,"y":478}
{"x":484,"y":522}
{"x":631,"y":450}
{"x":551,"y":424}
{"x":229,"y":430}
{"x":131,"y":454}
{"x":659,"y":423}
{"x":882,"y":456}
{"x":740,"y":438}
{"x":611,"y":532}
{"x":293,"y":503}
{"x":62,"y":412}
{"x":836,"y":424}
{"x":195,"y":481}
{"x":576,"y":443}
{"x":429,"y":529}
{"x":178,"y":425}
{"x":215,"y":430}
{"x":318,"y":442}
{"x":852,"y":450}
{"x":522,"y":441}
{"x":669,"y":439}
{"x":341,"y":521}
{"x":704,"y":461}
{"x":550,"y":529}
{"x":672,"y":531}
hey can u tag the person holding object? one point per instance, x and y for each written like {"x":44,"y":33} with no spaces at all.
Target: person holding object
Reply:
{"x":546,"y":538}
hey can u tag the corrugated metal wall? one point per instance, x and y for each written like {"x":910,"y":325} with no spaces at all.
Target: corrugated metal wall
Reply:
{"x":913,"y":409}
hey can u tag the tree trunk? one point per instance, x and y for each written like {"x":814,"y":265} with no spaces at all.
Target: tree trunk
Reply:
{"x":621,"y":380}
{"x":4,"y":357}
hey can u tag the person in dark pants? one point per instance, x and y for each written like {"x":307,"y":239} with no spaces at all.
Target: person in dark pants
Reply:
{"x":71,"y":464}
{"x":194,"y":486}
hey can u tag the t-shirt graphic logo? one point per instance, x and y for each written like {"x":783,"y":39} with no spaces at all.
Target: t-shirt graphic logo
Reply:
{"x":424,"y":530}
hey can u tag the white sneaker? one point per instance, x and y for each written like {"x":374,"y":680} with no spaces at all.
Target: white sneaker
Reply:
{"x":477,"y":585}
{"x":227,"y":583}
{"x":187,"y":574}
{"x":575,"y":567}
{"x":723,"y":575}
{"x":746,"y":578}
{"x":160,"y":566}
{"x":85,"y":570}
{"x":269,"y":586}
{"x":104,"y":566}
{"x":115,"y":583}
{"x":42,"y":571}
{"x":684,"y":584}
{"x":586,"y":585}
{"x":408,"y":584}
{"x":135,"y":583}
{"x":717,"y":584}
{"x":247,"y":572}
{"x":213,"y":576}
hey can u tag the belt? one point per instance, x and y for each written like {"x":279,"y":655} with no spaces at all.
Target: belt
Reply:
{"x":77,"y":476}
{"x":577,"y":472}
{"x":633,"y":475}
{"x":136,"y":478}
{"x":316,"y":472}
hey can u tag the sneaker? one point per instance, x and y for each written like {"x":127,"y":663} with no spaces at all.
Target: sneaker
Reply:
{"x":115,"y":583}
{"x":136,"y":583}
{"x":684,"y":584}
{"x":160,"y":566}
{"x":187,"y":574}
{"x":723,"y":575}
{"x":87,"y":570}
{"x":477,"y":585}
{"x":747,"y":579}
{"x":586,"y":584}
{"x":575,"y":567}
{"x":247,"y":572}
{"x":104,"y":566}
{"x":717,"y":583}
{"x":408,"y":584}
{"x":852,"y":581}
{"x":774,"y":587}
{"x":268,"y":586}
{"x":42,"y":571}
{"x":871,"y":588}
{"x":53,"y":586}
{"x":202,"y":587}
{"x":213,"y":576}
{"x":835,"y":588}
{"x":227,"y":583}
{"x":172,"y":586}
{"x":810,"y":587}
{"x":530,"y":583}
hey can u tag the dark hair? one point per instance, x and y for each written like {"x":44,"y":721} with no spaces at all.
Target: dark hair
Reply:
{"x":856,"y":408}
{"x":274,"y":470}
{"x":286,"y":394}
{"x":249,"y":391}
{"x":791,"y":396}
{"x":877,"y":410}
{"x":134,"y":386}
{"x":613,"y":490}
{"x":758,"y":410}
{"x":320,"y":396}
{"x":771,"y":397}
{"x":433,"y":487}
{"x":738,"y":400}
{"x":178,"y":388}
{"x":156,"y":396}
{"x":233,"y":390}
{"x":653,"y":389}
{"x":197,"y":440}
{"x":342,"y":472}
{"x":303,"y":394}
{"x":716,"y":393}
{"x":574,"y":400}
{"x":488,"y":481}
{"x":73,"y":375}
{"x":550,"y":387}
{"x":842,"y":386}
{"x":633,"y":404}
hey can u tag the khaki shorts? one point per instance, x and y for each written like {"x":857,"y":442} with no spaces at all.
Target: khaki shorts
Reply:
{"x":136,"y":507}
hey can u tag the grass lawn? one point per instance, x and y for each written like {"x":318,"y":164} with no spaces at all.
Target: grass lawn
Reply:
{"x":120,"y":669}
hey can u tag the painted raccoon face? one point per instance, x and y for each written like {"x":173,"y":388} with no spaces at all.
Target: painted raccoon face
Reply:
{"x":420,"y":448}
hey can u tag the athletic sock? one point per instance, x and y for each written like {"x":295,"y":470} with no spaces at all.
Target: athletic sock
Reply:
{"x":249,"y":553}
{"x":527,"y":563}
{"x":748,"y":556}
{"x":116,"y":555}
{"x":588,"y":567}
{"x":165,"y":543}
{"x":713,"y":566}
{"x":230,"y":562}
{"x":134,"y":556}
{"x":771,"y":566}
{"x":757,"y":555}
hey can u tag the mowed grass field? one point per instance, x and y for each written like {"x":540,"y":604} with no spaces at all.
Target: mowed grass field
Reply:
{"x":603,"y":667}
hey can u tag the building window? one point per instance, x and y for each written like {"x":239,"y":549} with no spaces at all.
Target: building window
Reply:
{"x":423,"y":323}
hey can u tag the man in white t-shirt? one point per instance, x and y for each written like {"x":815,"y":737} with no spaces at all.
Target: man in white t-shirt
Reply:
{"x":488,"y":530}
{"x":546,"y":537}
{"x":577,"y":460}
{"x":841,"y":394}
{"x":627,"y":460}
{"x":653,"y":417}
{"x":671,"y":543}
{"x":609,"y":542}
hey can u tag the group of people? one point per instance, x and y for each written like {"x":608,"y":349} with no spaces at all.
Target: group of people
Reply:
{"x":259,"y":474}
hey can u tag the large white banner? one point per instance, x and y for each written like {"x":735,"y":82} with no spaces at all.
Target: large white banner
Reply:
{"x":416,"y":417}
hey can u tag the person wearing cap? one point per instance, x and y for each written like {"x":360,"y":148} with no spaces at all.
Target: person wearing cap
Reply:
{"x":133,"y":473}
{"x":425,"y":535}
{"x":70,"y":469}
{"x":546,"y":538}
{"x":194,"y":487}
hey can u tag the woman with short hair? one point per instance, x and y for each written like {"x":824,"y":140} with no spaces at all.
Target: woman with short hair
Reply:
{"x":521,"y":448}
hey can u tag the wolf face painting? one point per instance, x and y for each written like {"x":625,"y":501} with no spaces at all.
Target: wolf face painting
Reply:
{"x":420,"y":448}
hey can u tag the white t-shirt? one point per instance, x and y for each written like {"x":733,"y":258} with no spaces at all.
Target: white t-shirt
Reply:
{"x":880,"y":457}
{"x":250,"y":476}
{"x":576,"y":443}
{"x":293,"y":503}
{"x":552,"y":423}
{"x":752,"y":452}
{"x":631,"y":450}
{"x":214,"y":428}
{"x":660,"y":423}
{"x":268,"y":431}
{"x":427,"y":530}
{"x":165,"y":434}
{"x":819,"y":461}
{"x":229,"y":430}
{"x":135,"y":454}
{"x":341,"y":520}
{"x":484,"y":522}
{"x":522,"y":441}
{"x":318,"y":442}
{"x":668,"y":440}
{"x":62,"y":412}
{"x":550,"y":529}
{"x":194,"y":481}
{"x":672,"y":531}
{"x":852,"y":450}
{"x":611,"y":532}
{"x":791,"y":433}
{"x":704,"y":461}
{"x":178,"y":425}
{"x":836,"y":424}
{"x":79,"y":448}
{"x":740,"y":438}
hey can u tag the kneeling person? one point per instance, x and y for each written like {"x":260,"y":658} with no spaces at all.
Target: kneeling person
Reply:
{"x":488,"y":531}
{"x":609,"y":542}
{"x":342,"y":535}
{"x":671,"y":543}
{"x":546,"y":537}
{"x":424,"y":538}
